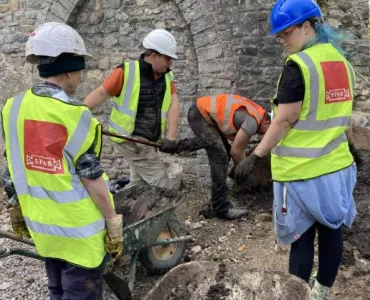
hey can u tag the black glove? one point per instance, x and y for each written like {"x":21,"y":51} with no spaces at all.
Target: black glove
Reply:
{"x":168,"y":145}
{"x":245,"y":167}
{"x":356,"y":155}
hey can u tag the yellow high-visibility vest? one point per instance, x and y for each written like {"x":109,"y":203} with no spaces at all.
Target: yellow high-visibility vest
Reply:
{"x":316,"y":144}
{"x":123,"y":116}
{"x":44,"y":138}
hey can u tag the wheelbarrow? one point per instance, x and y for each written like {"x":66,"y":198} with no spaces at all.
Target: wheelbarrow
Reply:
{"x":157,"y":241}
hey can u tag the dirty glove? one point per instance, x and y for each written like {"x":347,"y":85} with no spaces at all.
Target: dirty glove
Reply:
{"x":356,"y":155}
{"x":114,"y":237}
{"x":231,"y":173}
{"x":245,"y":167}
{"x":18,"y":224}
{"x":168,"y":145}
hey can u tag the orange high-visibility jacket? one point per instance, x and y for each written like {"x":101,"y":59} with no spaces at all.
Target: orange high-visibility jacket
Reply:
{"x":220,"y":109}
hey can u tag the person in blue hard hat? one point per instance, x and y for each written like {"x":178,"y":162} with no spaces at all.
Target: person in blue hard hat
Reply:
{"x":313,"y":169}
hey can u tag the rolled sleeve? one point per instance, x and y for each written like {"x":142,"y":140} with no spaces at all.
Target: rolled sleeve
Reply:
{"x":88,"y":166}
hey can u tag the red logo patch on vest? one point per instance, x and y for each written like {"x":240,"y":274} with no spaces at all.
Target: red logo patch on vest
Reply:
{"x":337,"y":87}
{"x":43,"y":146}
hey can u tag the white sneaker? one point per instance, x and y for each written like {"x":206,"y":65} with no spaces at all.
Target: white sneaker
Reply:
{"x":320,"y":292}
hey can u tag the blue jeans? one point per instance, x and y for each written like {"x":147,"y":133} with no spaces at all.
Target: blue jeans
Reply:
{"x":70,"y":282}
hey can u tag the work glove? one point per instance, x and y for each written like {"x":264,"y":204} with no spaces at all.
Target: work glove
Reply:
{"x":18,"y":224}
{"x":245,"y":167}
{"x":356,"y":155}
{"x":168,"y":145}
{"x":114,"y":237}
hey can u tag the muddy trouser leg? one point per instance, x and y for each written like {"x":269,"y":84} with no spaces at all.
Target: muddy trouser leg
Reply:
{"x":82,"y":284}
{"x":67,"y":281}
{"x":330,"y":254}
{"x":218,"y":156}
{"x":302,"y":254}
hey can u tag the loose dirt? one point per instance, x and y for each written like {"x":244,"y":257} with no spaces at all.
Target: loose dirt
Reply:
{"x":251,"y":242}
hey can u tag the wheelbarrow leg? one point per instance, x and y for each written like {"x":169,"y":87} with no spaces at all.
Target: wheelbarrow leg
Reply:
{"x":132,"y":275}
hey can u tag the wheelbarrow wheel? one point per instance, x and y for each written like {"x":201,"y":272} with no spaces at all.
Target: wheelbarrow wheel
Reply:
{"x":160,"y":259}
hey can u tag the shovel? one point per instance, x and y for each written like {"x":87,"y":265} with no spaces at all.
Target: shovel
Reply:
{"x":118,"y":286}
{"x":132,"y":139}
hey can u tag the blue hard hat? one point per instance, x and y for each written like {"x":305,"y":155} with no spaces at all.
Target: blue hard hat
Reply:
{"x":286,"y":13}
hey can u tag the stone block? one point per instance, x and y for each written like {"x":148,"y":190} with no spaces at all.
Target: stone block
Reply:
{"x":361,"y":138}
{"x":60,"y":11}
{"x":96,"y":17}
{"x":13,"y":5}
{"x":4,"y":8}
{"x":104,"y":63}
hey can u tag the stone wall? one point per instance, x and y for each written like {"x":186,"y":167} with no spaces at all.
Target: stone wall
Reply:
{"x":223,"y":47}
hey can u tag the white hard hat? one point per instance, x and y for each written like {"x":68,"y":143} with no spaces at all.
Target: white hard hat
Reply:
{"x":161,"y":41}
{"x":52,"y":39}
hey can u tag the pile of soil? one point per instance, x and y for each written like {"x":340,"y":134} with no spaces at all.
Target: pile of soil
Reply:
{"x":216,"y":281}
{"x":359,"y":235}
{"x":142,"y":201}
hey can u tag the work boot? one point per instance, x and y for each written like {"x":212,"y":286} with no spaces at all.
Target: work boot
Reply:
{"x":234,"y":213}
{"x":320,"y":292}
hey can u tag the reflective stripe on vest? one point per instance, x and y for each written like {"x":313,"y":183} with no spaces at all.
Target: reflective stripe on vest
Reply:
{"x":125,"y":100}
{"x":70,"y":232}
{"x":310,"y":152}
{"x":20,"y":182}
{"x":227,"y":112}
{"x":311,"y":122}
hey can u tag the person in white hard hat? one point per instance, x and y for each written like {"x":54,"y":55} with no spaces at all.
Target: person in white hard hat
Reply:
{"x":53,"y":178}
{"x":145,"y":106}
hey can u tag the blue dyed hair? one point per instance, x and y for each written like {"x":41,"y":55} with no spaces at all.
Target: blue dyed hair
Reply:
{"x":328,"y":34}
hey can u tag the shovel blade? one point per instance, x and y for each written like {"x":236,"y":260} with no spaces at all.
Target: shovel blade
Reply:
{"x":118,"y":286}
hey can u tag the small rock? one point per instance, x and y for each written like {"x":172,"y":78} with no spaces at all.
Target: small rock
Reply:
{"x":6,"y":227}
{"x":5,"y":285}
{"x":187,"y":223}
{"x":196,"y":249}
{"x":242,"y":248}
{"x":222,"y":239}
{"x":264,"y":217}
{"x":197,"y":225}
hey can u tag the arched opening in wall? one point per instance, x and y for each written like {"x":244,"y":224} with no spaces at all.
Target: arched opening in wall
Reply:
{"x":113,"y":32}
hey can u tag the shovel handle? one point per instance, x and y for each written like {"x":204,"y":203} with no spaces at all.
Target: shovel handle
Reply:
{"x":14,"y":237}
{"x":132,"y":139}
{"x":15,"y":251}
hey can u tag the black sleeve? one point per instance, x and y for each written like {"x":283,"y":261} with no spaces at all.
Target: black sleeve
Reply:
{"x":291,"y":87}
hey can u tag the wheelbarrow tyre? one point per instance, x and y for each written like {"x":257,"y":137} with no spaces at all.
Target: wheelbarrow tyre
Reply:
{"x":152,"y":259}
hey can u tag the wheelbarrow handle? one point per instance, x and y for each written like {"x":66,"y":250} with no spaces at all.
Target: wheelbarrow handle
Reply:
{"x":132,"y":139}
{"x":15,"y":251}
{"x":14,"y":237}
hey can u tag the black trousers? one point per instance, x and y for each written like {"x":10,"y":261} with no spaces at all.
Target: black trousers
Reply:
{"x":217,"y":147}
{"x":330,"y":253}
{"x":69,"y":282}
